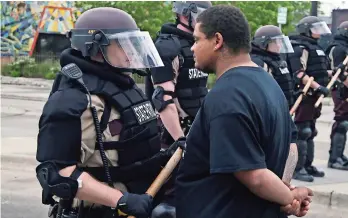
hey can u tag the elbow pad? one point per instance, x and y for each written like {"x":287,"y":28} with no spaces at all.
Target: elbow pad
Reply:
{"x":158,"y":100}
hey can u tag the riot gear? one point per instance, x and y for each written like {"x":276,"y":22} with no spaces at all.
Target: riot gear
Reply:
{"x":265,"y":36}
{"x":263,"y":54}
{"x":114,"y":33}
{"x":191,"y":10}
{"x":343,"y":29}
{"x":312,"y":24}
{"x":338,"y":51}
{"x":113,"y":133}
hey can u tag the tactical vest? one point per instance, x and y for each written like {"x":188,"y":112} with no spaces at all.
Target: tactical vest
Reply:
{"x":317,"y":63}
{"x":281,"y":74}
{"x":191,"y":87}
{"x":338,"y":42}
{"x":138,"y":131}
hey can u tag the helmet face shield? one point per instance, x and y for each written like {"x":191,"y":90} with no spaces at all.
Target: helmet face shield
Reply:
{"x":131,"y":50}
{"x":320,"y":28}
{"x":195,"y":14}
{"x":280,"y":44}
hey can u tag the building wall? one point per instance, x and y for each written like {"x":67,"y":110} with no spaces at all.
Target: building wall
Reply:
{"x":20,"y":21}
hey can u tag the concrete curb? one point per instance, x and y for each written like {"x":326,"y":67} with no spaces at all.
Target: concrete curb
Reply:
{"x":331,"y":199}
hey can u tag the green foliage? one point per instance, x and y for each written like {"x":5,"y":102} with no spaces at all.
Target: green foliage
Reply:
{"x":28,"y":67}
{"x":151,"y":15}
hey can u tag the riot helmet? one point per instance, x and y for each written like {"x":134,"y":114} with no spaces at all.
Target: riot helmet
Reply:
{"x":343,"y":29}
{"x":191,"y":10}
{"x":115,"y":34}
{"x":271,"y":38}
{"x":312,"y":24}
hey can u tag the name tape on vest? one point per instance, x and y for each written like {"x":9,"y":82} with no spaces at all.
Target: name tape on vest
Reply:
{"x":196,"y":74}
{"x":320,"y":53}
{"x":144,"y":112}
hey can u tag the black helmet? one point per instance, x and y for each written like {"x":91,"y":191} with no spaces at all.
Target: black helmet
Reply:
{"x":190,"y":9}
{"x":312,"y":24}
{"x":268,"y":34}
{"x":343,"y":29}
{"x":115,"y":34}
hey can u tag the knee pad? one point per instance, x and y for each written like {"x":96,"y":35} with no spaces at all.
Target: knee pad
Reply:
{"x":304,"y":131}
{"x":158,"y":100}
{"x":342,"y":127}
{"x":163,"y":210}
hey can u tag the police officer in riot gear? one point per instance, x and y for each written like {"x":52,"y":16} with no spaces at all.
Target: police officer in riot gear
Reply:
{"x":337,"y":52}
{"x":267,"y":45}
{"x":97,"y":126}
{"x":179,"y":88}
{"x":308,"y":60}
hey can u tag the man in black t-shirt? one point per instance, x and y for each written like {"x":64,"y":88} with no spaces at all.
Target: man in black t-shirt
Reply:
{"x":238,"y":145}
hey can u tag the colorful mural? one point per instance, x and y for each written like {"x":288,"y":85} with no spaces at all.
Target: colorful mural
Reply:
{"x":20,"y":21}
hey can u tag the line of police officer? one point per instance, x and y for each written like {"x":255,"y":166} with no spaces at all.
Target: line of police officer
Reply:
{"x":99,"y":141}
{"x":291,"y":63}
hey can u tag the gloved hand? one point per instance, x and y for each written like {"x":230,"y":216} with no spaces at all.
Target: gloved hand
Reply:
{"x":342,"y":75}
{"x":321,"y":90}
{"x":136,"y":205}
{"x":180,"y":143}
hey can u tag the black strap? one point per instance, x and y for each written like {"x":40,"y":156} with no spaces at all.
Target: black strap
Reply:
{"x":105,"y":117}
{"x":171,"y":93}
{"x":76,"y":173}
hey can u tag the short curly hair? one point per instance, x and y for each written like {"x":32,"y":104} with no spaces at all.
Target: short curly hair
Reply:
{"x":231,"y":23}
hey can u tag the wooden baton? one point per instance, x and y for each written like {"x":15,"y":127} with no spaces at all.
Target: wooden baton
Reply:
{"x":164,"y":174}
{"x":299,"y":99}
{"x":332,"y":81}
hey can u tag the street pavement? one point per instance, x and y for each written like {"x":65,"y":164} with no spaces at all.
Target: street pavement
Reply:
{"x":21,"y":107}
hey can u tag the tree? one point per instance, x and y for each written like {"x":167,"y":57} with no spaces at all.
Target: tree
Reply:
{"x":151,"y":15}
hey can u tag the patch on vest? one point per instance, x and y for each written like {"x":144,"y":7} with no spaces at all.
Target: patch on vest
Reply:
{"x":144,"y":112}
{"x":196,"y":74}
{"x":284,"y":70}
{"x":320,"y":52}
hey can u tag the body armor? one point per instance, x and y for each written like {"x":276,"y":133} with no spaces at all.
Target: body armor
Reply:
{"x":317,"y":63}
{"x":280,"y":71}
{"x":190,"y":88}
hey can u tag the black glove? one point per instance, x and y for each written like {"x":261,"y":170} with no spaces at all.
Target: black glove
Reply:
{"x":342,"y":76}
{"x":180,"y":143}
{"x":139,"y":206}
{"x":321,"y":90}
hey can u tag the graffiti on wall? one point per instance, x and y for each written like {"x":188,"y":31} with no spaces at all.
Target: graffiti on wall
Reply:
{"x":20,"y":21}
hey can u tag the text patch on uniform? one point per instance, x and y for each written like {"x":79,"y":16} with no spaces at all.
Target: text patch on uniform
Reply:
{"x":196,"y":74}
{"x":144,"y":112}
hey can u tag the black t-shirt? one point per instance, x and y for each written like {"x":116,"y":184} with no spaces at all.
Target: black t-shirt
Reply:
{"x":244,"y":124}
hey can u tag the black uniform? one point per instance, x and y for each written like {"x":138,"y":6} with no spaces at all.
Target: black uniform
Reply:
{"x":278,"y":69}
{"x":338,"y":51}
{"x":306,"y":114}
{"x":59,"y":137}
{"x":237,"y":128}
{"x":190,"y":87}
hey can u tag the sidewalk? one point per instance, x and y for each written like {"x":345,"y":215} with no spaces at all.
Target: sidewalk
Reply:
{"x":332,"y":190}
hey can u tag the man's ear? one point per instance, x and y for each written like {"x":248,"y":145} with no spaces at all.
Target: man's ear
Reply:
{"x":218,"y":41}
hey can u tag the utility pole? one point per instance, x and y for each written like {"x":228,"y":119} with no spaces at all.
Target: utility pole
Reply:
{"x":314,"y":8}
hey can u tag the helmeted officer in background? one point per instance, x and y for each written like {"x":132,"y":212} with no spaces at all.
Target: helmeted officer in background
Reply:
{"x":179,"y":87}
{"x":97,"y":126}
{"x":337,"y":52}
{"x":267,"y":45}
{"x":308,"y":60}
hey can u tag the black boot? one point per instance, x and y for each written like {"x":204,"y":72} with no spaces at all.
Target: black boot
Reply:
{"x":300,"y":172}
{"x":312,"y":170}
{"x":339,"y":164}
{"x":303,"y":175}
{"x":338,"y":140}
